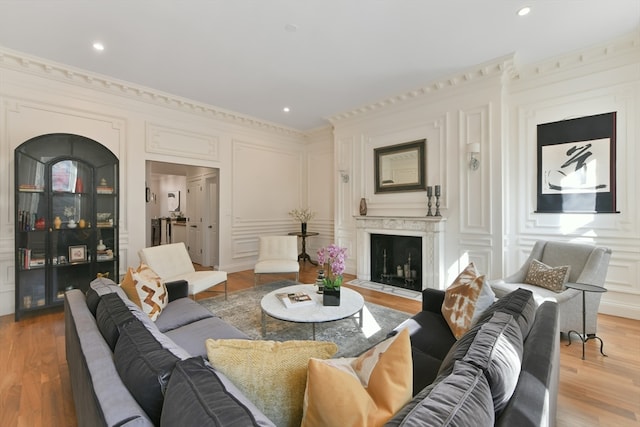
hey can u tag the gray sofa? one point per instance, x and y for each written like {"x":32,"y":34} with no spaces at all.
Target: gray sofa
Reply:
{"x":128,"y":371}
{"x":503,"y":371}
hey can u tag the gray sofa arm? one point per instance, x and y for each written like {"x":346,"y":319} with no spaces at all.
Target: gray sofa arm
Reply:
{"x":177,"y":289}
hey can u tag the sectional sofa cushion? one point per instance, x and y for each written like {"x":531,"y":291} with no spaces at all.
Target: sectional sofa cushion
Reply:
{"x":360,"y":391}
{"x":144,"y":366}
{"x":199,"y":396}
{"x":111,"y":314}
{"x":519,"y":303}
{"x":460,"y":399}
{"x":497,"y":349}
{"x":271,"y":374}
{"x":97,"y":288}
{"x":179,"y":313}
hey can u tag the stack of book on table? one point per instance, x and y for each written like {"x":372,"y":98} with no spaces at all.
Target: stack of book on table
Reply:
{"x":295,"y":299}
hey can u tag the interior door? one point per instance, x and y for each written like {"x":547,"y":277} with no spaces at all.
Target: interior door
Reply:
{"x":194,"y":223}
{"x":210,"y":222}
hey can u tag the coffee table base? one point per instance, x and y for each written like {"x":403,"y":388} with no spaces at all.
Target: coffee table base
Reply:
{"x":358,"y":315}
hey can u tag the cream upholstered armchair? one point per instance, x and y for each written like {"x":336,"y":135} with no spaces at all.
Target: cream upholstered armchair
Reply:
{"x":588,"y":264}
{"x":172,"y":262}
{"x":277,"y":254}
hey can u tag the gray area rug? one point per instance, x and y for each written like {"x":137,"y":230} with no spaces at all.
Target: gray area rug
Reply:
{"x":242,"y":310}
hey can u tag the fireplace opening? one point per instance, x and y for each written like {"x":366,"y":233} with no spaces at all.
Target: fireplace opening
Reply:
{"x":397,"y":260}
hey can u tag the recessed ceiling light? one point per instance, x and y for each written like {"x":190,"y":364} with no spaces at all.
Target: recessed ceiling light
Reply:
{"x":291,"y":28}
{"x":98,"y":46}
{"x":286,"y":109}
{"x":524,"y":11}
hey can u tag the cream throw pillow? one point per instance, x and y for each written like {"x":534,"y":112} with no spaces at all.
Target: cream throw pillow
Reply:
{"x":146,"y":290}
{"x":552,"y":278}
{"x":271,"y":374}
{"x":460,"y":300}
{"x":363,"y":391}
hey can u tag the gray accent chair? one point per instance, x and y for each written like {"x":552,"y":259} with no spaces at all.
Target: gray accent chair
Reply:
{"x":588,"y":263}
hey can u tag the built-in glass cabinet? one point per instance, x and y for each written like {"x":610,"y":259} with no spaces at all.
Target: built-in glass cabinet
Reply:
{"x":66,"y":218}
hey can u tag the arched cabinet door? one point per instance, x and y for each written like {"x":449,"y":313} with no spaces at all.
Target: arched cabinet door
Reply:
{"x":66,"y":218}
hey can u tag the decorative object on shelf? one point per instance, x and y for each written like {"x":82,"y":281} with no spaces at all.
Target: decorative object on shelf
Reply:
{"x":40,"y":224}
{"x":363,"y":206}
{"x":78,"y":253}
{"x":438,"y":194}
{"x":57,"y":222}
{"x":72,"y":224}
{"x":429,"y":196}
{"x":101,"y":246}
{"x":332,"y":258}
{"x":302,"y":215}
{"x":79,"y":185}
{"x":82,"y":223}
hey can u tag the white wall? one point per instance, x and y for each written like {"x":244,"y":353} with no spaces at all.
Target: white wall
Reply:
{"x":262,"y":165}
{"x":490,"y":211}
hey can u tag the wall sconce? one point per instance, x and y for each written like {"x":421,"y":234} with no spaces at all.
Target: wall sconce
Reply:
{"x":473,"y":149}
{"x":344,"y":174}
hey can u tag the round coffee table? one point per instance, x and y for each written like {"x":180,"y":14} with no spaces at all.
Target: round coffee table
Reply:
{"x":351,"y":303}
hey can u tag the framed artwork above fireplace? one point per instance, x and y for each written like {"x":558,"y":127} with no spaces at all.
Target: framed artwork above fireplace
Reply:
{"x":401,"y":167}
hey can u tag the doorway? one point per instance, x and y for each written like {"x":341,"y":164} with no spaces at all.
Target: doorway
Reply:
{"x":196,"y":223}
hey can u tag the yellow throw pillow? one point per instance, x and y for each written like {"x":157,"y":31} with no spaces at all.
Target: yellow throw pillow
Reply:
{"x":146,"y":290}
{"x":363,"y":391}
{"x":271,"y":374}
{"x":552,"y":278}
{"x":460,"y":300}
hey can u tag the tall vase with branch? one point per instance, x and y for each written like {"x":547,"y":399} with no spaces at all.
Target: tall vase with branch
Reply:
{"x":303,"y":215}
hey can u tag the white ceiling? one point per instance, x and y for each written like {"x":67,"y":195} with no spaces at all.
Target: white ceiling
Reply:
{"x":239,"y":55}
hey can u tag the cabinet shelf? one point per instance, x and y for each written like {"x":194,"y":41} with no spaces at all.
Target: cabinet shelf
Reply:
{"x":61,"y":177}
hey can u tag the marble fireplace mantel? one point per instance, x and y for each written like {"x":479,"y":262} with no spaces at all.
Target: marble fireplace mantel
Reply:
{"x":430,"y":229}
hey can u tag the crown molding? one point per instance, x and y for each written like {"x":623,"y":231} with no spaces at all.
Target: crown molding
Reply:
{"x":607,"y":51}
{"x":499,"y":67}
{"x":14,"y":60}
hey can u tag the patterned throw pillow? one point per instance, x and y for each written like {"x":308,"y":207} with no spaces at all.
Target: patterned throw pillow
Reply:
{"x":360,"y":391}
{"x":270,"y":374}
{"x":552,"y":278}
{"x":460,"y":300}
{"x":146,"y":290}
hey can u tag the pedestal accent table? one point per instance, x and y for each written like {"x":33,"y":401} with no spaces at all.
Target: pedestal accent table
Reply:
{"x":304,"y":256}
{"x":584,"y":287}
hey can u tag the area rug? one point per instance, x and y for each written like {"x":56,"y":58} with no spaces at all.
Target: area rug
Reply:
{"x":242,"y":310}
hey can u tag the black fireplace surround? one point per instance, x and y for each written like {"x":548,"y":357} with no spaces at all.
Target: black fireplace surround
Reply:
{"x":397,"y":261}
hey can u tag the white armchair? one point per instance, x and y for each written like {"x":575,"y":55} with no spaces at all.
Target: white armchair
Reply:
{"x":172,"y":262}
{"x":277,"y":254}
{"x":588,"y":263}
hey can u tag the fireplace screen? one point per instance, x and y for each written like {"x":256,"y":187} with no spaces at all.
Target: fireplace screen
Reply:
{"x":397,"y":260}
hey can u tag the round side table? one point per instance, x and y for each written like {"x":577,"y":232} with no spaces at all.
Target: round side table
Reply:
{"x":584,"y":287}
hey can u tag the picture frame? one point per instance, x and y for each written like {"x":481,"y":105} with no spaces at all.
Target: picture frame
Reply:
{"x":576,"y":165}
{"x":78,"y":253}
{"x":400,"y":167}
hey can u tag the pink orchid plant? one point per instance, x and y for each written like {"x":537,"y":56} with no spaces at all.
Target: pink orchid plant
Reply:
{"x":332,"y":258}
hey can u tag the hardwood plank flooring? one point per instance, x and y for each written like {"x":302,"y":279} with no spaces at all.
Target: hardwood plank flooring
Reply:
{"x":599,"y":391}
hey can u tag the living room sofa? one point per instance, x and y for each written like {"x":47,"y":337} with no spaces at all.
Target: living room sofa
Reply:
{"x":503,"y":371}
{"x":128,"y":371}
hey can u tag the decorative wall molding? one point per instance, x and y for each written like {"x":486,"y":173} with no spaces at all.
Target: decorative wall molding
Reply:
{"x":14,"y":60}
{"x":164,"y":140}
{"x":491,"y":69}
{"x":602,"y":52}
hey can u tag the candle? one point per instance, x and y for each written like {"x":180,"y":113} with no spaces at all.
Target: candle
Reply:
{"x":429,"y":191}
{"x":437,"y":190}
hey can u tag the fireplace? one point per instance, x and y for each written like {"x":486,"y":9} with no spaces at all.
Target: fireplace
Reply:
{"x":397,"y":260}
{"x":427,"y":235}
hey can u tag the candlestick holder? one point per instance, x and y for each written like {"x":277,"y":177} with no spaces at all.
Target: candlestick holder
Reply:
{"x":429,"y":213}
{"x":437,"y":205}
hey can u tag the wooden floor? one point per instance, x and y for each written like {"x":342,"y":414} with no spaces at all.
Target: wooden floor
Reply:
{"x":598,"y":391}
